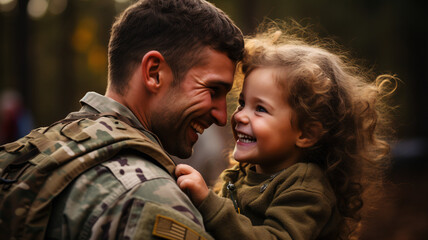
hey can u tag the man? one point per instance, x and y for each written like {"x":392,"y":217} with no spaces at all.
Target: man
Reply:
{"x":171,"y":64}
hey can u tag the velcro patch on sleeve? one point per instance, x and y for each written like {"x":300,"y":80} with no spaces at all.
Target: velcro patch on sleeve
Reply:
{"x":168,"y":228}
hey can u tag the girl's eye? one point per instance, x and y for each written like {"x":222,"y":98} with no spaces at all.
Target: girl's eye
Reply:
{"x":261,"y":109}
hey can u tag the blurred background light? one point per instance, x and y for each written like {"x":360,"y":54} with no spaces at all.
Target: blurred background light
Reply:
{"x":57,"y":7}
{"x":83,"y":36}
{"x":97,"y":59}
{"x":7,"y":5}
{"x":37,"y":8}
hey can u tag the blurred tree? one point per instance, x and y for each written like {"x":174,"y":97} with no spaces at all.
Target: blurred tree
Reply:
{"x":67,"y":86}
{"x":21,"y":49}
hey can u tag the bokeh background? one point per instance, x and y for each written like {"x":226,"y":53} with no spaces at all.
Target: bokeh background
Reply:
{"x":53,"y":51}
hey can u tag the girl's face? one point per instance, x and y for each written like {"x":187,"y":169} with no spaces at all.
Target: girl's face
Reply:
{"x":262,"y":124}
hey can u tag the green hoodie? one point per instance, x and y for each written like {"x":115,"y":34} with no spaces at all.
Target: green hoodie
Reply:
{"x":296,"y":203}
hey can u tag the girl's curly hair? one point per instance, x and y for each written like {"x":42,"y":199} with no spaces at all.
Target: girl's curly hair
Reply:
{"x":327,"y":88}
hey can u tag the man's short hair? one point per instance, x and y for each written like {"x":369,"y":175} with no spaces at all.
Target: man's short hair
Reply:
{"x":179,"y":30}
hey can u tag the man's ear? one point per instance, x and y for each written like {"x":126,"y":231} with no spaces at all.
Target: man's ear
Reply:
{"x":311,"y":133}
{"x":151,"y":65}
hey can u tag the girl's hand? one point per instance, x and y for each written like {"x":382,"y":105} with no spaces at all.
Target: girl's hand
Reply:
{"x":190,"y":181}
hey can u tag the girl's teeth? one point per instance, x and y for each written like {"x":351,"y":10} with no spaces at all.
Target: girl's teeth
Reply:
{"x":245,"y":138}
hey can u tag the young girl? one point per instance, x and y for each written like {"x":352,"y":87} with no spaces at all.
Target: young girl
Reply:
{"x":306,"y":131}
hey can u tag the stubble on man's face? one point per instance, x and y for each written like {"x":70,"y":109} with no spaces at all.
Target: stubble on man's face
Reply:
{"x":169,"y":123}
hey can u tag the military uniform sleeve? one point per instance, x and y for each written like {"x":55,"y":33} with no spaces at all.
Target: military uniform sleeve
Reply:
{"x":139,"y":214}
{"x":296,"y":214}
{"x":126,"y":198}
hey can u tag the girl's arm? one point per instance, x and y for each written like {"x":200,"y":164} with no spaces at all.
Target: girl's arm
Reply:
{"x":191,"y":181}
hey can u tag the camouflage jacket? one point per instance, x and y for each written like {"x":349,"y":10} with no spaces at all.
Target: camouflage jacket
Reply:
{"x":128,"y":196}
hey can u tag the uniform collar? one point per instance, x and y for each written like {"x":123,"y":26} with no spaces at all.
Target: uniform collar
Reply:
{"x":102,"y":104}
{"x":93,"y":102}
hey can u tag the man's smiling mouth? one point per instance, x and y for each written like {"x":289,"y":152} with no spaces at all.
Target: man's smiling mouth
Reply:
{"x":198,"y":128}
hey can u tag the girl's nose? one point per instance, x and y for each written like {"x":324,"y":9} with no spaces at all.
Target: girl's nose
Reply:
{"x":240,"y":116}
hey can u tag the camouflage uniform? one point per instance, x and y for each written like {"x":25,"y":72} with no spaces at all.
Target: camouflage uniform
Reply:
{"x":123,"y":197}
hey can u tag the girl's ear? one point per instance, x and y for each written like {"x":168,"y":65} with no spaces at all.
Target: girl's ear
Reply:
{"x":311,"y":133}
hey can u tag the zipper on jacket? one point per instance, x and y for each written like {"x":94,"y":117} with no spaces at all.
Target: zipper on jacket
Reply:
{"x":233,"y":196}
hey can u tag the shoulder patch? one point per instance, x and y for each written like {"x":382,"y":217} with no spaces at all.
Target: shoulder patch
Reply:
{"x":159,"y":221}
{"x":170,"y":229}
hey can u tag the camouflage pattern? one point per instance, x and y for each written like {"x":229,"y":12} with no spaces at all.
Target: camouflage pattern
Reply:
{"x":115,"y":199}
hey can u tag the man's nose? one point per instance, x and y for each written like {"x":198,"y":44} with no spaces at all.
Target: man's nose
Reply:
{"x":219,"y":112}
